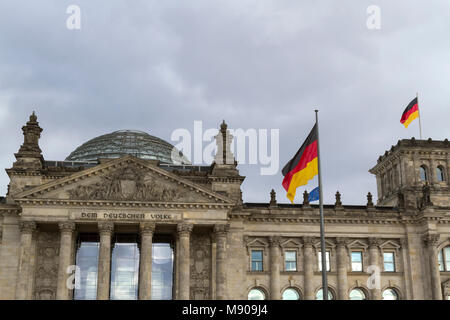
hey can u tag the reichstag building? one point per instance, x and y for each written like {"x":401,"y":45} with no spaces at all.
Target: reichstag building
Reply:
{"x":117,"y":219}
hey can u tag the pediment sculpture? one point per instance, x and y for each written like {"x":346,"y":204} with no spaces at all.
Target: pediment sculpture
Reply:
{"x":130,"y":184}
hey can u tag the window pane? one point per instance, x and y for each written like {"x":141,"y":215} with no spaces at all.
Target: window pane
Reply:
{"x":441,"y":260}
{"x":290,"y":294}
{"x":390,"y":294}
{"x":162,"y":271}
{"x":356,"y":261}
{"x":447,"y":258}
{"x":319,"y":295}
{"x":439,"y":174}
{"x":257,"y":256}
{"x":357,"y":294}
{"x":327,"y":255}
{"x":124,"y":271}
{"x":87,"y":263}
{"x":389,"y":263}
{"x":256,"y":294}
{"x":423,"y":174}
{"x":290,"y":260}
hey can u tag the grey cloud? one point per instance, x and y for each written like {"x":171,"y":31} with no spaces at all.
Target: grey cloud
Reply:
{"x":159,"y":65}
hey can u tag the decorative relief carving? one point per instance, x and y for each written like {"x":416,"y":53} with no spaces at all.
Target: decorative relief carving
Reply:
{"x":129,"y":183}
{"x":200,"y":267}
{"x":147,"y":228}
{"x":184,"y":229}
{"x":46,"y":266}
{"x":27,"y":226}
{"x":106,"y":227}
{"x":66,"y":226}
{"x":374,"y":242}
{"x":275,"y":241}
{"x":221,"y":230}
{"x":431,"y":239}
{"x":342,"y":241}
{"x":308,"y":241}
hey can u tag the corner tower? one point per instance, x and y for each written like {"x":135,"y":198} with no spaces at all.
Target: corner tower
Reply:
{"x":411,"y":170}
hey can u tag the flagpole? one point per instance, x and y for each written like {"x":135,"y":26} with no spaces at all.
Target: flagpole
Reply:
{"x":418,"y":110}
{"x":322,"y":227}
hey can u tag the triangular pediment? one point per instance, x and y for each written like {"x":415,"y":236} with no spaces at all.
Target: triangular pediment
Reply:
{"x":125,"y":179}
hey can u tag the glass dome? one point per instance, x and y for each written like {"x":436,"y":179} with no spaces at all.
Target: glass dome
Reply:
{"x":123,"y":142}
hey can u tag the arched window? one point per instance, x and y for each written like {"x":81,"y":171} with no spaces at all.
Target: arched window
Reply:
{"x":444,"y":259}
{"x":423,"y":173}
{"x":256,"y":294}
{"x":357,"y":294}
{"x":319,"y":294}
{"x":390,"y":294}
{"x":440,"y":174}
{"x":290,"y":294}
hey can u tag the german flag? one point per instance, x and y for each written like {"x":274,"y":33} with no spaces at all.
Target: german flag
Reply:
{"x":302,"y":167}
{"x":411,"y":112}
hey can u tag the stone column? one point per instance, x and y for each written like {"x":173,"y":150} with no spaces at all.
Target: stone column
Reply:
{"x":275,"y":293}
{"x":220,"y":231}
{"x":66,"y":244}
{"x":145,"y":268}
{"x":184,"y":232}
{"x":342,"y":265}
{"x":308,"y":267}
{"x":26,"y":233}
{"x":431,"y":240}
{"x":374,"y":260}
{"x":104,"y":260}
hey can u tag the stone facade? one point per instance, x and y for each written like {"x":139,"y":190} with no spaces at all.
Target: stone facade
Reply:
{"x":213,"y":233}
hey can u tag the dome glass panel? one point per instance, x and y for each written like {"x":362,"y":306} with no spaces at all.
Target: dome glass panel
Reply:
{"x":120,"y":143}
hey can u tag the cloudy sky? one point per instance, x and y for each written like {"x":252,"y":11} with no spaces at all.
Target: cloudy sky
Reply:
{"x":157,"y":66}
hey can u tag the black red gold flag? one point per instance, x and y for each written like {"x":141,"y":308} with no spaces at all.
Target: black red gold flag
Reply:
{"x":411,"y":112}
{"x":302,"y":167}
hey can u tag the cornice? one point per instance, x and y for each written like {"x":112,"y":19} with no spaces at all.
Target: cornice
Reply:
{"x":123,"y":204}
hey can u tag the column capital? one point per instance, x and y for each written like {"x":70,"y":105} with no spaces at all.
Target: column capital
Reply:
{"x":67,"y":226}
{"x":342,"y":241}
{"x":184,"y":229}
{"x":221,"y":229}
{"x":374,"y":242}
{"x":308,"y":241}
{"x":106,"y":227}
{"x":431,"y":239}
{"x":274,"y":241}
{"x":147,"y":228}
{"x":27,"y":226}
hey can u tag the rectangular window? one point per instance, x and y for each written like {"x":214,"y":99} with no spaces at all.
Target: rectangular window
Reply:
{"x":87,"y":264}
{"x":447,"y":258}
{"x":357,"y":261}
{"x":327,"y":255}
{"x":125,"y":268}
{"x":290,"y":258}
{"x":441,"y":261}
{"x":389,"y":261}
{"x":257,"y":260}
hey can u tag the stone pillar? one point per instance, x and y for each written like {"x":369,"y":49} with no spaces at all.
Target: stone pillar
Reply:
{"x":275,"y":255}
{"x":308,"y":267}
{"x":431,"y":241}
{"x":374,"y":260}
{"x":184,"y":232}
{"x":66,"y":245}
{"x":104,"y":260}
{"x":220,"y":231}
{"x":342,"y":265}
{"x":145,"y":267}
{"x":26,"y":233}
